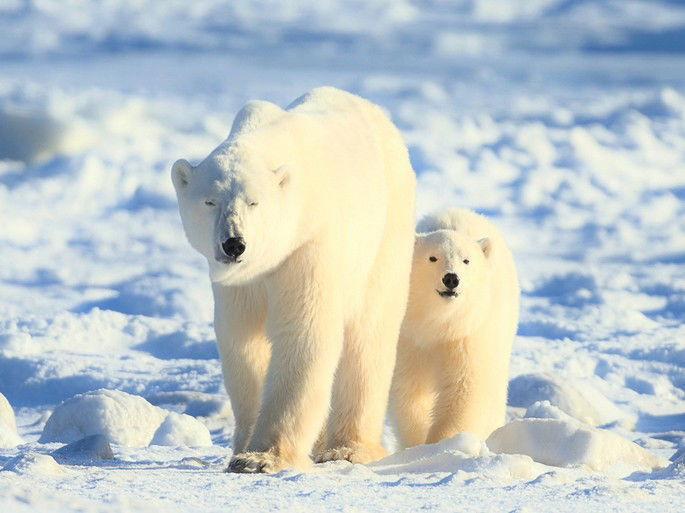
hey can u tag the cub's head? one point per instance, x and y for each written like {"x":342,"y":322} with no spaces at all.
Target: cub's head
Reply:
{"x":237,"y":210}
{"x":450,"y":273}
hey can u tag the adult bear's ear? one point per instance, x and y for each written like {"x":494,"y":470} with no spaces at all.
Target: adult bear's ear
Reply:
{"x":180,"y":173}
{"x":486,"y":245}
{"x":282,"y":174}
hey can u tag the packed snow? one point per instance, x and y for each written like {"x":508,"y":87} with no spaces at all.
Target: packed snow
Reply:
{"x":563,"y":121}
{"x":35,"y":464}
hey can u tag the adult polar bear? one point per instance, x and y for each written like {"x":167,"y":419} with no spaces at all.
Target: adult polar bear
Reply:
{"x":306,"y":217}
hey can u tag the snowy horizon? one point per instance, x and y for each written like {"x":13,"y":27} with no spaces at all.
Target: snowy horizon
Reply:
{"x":561,"y":120}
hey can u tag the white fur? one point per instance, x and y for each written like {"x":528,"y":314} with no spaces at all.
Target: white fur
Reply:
{"x":453,"y":356}
{"x":321,"y":289}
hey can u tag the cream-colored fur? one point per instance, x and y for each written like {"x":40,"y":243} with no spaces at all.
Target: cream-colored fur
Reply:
{"x":453,"y":356}
{"x":307,"y":319}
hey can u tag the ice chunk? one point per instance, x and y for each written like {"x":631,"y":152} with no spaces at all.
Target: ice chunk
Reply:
{"x":123,"y":418}
{"x":8,"y":425}
{"x":180,"y":430}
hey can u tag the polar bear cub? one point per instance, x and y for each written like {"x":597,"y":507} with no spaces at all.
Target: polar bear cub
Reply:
{"x":453,"y":356}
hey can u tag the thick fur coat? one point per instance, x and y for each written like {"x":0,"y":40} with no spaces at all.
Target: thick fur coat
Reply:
{"x":453,"y":355}
{"x":306,"y":218}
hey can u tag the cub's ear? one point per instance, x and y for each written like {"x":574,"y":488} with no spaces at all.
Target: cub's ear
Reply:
{"x":180,"y":173}
{"x":486,"y":245}
{"x":419,"y":239}
{"x":282,"y":174}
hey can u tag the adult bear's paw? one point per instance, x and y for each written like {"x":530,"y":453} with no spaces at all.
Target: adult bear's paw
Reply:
{"x":255,"y":463}
{"x":354,"y":453}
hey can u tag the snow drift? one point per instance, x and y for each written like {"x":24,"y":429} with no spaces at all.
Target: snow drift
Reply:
{"x":35,"y":126}
{"x":34,"y":463}
{"x":562,"y":441}
{"x":462,"y":453}
{"x":578,"y":157}
{"x":525,"y":448}
{"x":579,"y":400}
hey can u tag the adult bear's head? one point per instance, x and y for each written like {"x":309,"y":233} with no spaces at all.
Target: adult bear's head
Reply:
{"x":238,"y":209}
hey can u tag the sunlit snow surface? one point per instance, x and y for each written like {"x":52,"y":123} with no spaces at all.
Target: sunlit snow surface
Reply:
{"x":562,"y":120}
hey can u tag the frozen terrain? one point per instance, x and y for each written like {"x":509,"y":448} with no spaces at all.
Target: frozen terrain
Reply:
{"x":563,"y":120}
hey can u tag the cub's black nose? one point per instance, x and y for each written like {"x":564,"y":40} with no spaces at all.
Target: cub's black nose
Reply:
{"x":233,"y":247}
{"x":450,"y":280}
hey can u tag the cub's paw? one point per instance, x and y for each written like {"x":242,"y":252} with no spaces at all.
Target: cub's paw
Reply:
{"x":255,"y":463}
{"x":354,"y":453}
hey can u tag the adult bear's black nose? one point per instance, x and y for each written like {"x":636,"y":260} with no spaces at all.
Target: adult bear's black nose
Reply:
{"x":450,"y":280}
{"x":233,"y":247}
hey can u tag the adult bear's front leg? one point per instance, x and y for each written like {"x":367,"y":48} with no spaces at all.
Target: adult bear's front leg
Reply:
{"x":305,"y":326}
{"x":239,"y":317}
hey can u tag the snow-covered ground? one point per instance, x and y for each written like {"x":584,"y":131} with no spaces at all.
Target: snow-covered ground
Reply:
{"x":562,"y":120}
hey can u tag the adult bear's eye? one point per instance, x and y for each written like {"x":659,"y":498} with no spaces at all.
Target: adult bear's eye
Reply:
{"x":210,"y":203}
{"x":253,"y":204}
{"x":466,"y":261}
{"x":433,"y":259}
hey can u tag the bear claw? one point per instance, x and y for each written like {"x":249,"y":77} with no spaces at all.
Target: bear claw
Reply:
{"x":253,"y":463}
{"x":352,"y":454}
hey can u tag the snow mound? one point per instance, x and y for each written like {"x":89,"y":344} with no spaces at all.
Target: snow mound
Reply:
{"x":88,"y":449}
{"x":180,"y":430}
{"x":123,"y":419}
{"x":462,"y":453}
{"x":34,"y":127}
{"x":8,"y":425}
{"x":35,"y":464}
{"x":568,"y":443}
{"x":579,"y":400}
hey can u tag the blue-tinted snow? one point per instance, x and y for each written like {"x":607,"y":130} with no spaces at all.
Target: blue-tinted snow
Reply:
{"x":564,"y":120}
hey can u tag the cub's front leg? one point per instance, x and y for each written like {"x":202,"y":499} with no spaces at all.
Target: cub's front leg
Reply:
{"x":460,"y":399}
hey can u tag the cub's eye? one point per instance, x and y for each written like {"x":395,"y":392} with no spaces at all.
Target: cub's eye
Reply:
{"x":466,"y":261}
{"x":210,"y":203}
{"x":253,"y":204}
{"x":433,"y":259}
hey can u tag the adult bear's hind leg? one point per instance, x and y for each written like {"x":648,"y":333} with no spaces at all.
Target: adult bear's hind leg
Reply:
{"x":413,"y":394}
{"x":364,"y":374}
